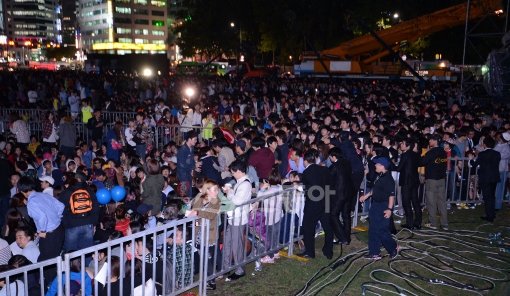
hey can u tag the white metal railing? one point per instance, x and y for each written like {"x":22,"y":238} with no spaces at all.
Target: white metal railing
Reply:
{"x":169,"y":263}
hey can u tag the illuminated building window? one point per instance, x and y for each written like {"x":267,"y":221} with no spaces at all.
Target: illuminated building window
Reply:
{"x":158,"y":3}
{"x":144,"y":2}
{"x":158,"y":33}
{"x":141,"y":31}
{"x":125,"y":40}
{"x":124,"y":10}
{"x":158,"y":23}
{"x":123,"y":30}
{"x":141,"y":41}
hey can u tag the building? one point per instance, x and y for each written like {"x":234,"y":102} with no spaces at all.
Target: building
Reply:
{"x":32,"y":21}
{"x":69,"y":23}
{"x":122,"y":27}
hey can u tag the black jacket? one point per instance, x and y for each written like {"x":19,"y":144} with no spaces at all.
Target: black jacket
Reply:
{"x":435,"y":164}
{"x":341,"y":180}
{"x":315,"y":176}
{"x":408,"y":168}
{"x":71,"y":220}
{"x":488,"y":161}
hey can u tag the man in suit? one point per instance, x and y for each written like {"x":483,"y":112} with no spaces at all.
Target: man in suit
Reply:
{"x":488,"y":175}
{"x":409,"y":181}
{"x":317,"y":193}
{"x":340,"y":170}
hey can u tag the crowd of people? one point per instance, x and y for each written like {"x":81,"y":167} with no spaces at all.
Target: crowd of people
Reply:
{"x":240,"y":139}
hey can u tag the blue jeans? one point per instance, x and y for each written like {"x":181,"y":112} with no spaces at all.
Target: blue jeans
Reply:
{"x":79,"y":237}
{"x":500,"y":190}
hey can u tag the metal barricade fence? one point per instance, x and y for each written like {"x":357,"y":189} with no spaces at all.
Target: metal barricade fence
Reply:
{"x":170,"y":258}
{"x":461,"y":187}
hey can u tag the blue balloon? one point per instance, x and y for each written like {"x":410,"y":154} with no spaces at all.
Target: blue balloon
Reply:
{"x":118,"y":193}
{"x":103,"y":196}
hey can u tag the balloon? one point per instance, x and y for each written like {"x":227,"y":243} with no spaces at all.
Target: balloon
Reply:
{"x":103,"y":196}
{"x":118,"y":193}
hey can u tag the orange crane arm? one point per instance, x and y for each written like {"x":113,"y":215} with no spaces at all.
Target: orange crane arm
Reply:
{"x":413,"y":29}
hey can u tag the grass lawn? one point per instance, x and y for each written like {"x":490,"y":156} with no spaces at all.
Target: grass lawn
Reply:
{"x":462,"y":257}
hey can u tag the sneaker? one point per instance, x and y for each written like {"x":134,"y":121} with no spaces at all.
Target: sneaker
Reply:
{"x":258,"y":266}
{"x":428,"y":225}
{"x":444,"y":228}
{"x":267,"y":260}
{"x":211,"y":285}
{"x":395,"y":254}
{"x":372,"y":257}
{"x":234,"y":277}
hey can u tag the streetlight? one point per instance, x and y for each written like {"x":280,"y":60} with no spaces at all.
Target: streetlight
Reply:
{"x":232,"y":24}
{"x":396,"y":15}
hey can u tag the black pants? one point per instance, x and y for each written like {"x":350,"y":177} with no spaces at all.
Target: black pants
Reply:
{"x":50,"y":247}
{"x":489,"y":199}
{"x":311,"y":216}
{"x":412,"y":206}
{"x":341,"y":229}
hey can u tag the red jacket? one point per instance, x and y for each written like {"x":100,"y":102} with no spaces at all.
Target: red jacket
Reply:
{"x":263,"y":161}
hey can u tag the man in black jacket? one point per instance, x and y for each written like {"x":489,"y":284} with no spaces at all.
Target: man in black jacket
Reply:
{"x":435,"y":186}
{"x":316,"y":181}
{"x":409,"y":181}
{"x":79,"y":227}
{"x":341,"y":202}
{"x":488,"y":175}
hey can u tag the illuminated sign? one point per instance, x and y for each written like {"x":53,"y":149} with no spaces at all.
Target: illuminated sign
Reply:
{"x":3,"y":39}
{"x":128,"y":46}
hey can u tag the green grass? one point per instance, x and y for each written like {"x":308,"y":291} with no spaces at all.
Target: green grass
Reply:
{"x":288,"y":276}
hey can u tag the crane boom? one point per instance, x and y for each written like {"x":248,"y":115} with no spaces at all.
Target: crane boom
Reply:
{"x":412,"y":29}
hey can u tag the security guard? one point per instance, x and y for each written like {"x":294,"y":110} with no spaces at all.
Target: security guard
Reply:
{"x":381,"y":208}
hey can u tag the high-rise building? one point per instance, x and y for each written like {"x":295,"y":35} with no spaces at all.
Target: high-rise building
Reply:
{"x":69,"y":23}
{"x":34,"y":20}
{"x":122,"y":26}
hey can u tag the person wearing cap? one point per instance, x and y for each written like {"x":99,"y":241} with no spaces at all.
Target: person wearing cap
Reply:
{"x":503,"y":147}
{"x":47,"y":184}
{"x":381,"y":209}
{"x":435,"y":163}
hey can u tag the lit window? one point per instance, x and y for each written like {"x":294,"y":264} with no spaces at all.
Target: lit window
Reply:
{"x":158,"y":23}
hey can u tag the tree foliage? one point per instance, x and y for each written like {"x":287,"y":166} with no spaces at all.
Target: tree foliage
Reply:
{"x":288,"y":27}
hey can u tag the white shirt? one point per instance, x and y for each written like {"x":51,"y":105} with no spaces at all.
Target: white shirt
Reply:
{"x":272,"y":205}
{"x":31,"y":251}
{"x":240,"y":194}
{"x":16,"y":288}
{"x":129,"y":137}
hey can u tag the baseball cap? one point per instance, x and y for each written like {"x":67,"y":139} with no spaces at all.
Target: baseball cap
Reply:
{"x":385,"y":162}
{"x":48,"y":179}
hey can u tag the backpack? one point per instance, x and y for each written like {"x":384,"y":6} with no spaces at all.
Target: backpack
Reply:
{"x":80,"y":202}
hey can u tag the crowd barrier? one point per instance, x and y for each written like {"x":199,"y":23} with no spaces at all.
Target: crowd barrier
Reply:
{"x":169,"y":265}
